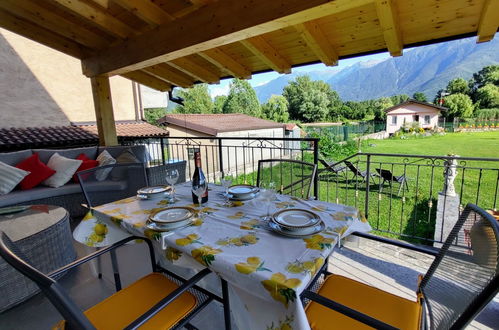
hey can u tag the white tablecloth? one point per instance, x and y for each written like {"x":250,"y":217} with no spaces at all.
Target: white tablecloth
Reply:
{"x":266,"y":272}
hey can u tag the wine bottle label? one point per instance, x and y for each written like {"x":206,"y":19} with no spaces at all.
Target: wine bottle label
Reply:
{"x":197,"y":159}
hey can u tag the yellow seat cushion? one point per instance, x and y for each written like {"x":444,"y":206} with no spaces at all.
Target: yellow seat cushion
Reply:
{"x":396,"y":311}
{"x":123,"y":307}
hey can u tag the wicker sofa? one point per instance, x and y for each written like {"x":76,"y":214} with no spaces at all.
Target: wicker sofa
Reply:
{"x":70,"y":195}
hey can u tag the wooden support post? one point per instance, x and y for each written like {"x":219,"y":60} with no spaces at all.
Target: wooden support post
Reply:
{"x":104,"y":115}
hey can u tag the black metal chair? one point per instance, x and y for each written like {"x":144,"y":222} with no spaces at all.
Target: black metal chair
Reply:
{"x":332,"y":167}
{"x":388,"y":176}
{"x":356,"y":172}
{"x":458,"y":285}
{"x":292,"y":177}
{"x":154,"y":301}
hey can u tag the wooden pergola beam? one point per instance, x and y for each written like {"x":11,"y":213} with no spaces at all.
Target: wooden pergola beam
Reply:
{"x":196,"y":32}
{"x":226,"y":63}
{"x":41,"y":35}
{"x":148,"y":80}
{"x":317,"y":41}
{"x":266,"y":53}
{"x":194,"y":70}
{"x":489,"y":21}
{"x":165,"y":72}
{"x":146,"y":11}
{"x":387,"y":15}
{"x":103,"y":103}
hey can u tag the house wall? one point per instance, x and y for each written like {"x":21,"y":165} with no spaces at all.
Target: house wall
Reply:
{"x":406,"y":114}
{"x":43,"y":87}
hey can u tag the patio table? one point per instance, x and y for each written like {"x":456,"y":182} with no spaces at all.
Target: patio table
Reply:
{"x":266,"y":272}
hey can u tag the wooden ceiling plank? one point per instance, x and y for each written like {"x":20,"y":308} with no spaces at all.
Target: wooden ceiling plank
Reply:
{"x":34,"y":13}
{"x":225,"y":62}
{"x":166,"y":73}
{"x":266,"y":53}
{"x":194,"y":70}
{"x":312,"y":34}
{"x":147,"y":11}
{"x":98,"y":17}
{"x":102,"y":3}
{"x":41,"y":35}
{"x":235,"y":21}
{"x":489,"y":21}
{"x":148,"y":80}
{"x":388,"y":20}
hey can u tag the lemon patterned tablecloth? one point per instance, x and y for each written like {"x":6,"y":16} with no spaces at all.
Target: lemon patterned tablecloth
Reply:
{"x":266,"y":272}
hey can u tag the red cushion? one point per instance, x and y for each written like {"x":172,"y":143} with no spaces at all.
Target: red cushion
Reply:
{"x":39,"y":172}
{"x":86,"y":164}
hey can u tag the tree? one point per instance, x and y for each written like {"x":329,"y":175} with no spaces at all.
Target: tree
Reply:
{"x":153,"y":114}
{"x":308,"y":100}
{"x":418,"y":96}
{"x":197,"y":99}
{"x":242,"y":99}
{"x":488,"y":96}
{"x":458,"y":85}
{"x":276,"y":109}
{"x":397,"y":99}
{"x":218,"y":103}
{"x":458,"y":105}
{"x":487,"y":75}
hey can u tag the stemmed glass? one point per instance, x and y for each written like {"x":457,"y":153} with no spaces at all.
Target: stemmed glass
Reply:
{"x":267,"y":194}
{"x":172,"y":178}
{"x":226,"y":182}
{"x":199,"y":189}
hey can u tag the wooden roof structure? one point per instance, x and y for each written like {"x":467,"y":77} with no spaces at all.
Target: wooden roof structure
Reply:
{"x":167,"y":43}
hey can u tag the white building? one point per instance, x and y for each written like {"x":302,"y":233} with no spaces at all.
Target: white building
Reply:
{"x":410,"y":111}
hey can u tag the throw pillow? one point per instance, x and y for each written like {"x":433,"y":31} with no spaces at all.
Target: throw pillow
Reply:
{"x":127,"y":156}
{"x":38,"y":172}
{"x":10,"y":177}
{"x":86,"y":164}
{"x":104,"y":159}
{"x":64,"y":169}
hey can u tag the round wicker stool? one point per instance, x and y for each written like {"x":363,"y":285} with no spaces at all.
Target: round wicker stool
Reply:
{"x":42,"y":235}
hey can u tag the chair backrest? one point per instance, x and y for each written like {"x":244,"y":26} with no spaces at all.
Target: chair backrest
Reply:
{"x":461,"y":281}
{"x":385,"y":174}
{"x":109,"y":183}
{"x":292,"y":177}
{"x":52,"y":290}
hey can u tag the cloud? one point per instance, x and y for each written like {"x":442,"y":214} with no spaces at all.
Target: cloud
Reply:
{"x":219,"y":90}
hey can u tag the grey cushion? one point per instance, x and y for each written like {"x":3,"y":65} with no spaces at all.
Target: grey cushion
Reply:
{"x":139,"y":151}
{"x":45,"y":154}
{"x":14,"y":158}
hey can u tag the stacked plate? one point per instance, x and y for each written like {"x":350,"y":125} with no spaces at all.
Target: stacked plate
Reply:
{"x":296,"y":223}
{"x":171,"y":218}
{"x":153,"y":192}
{"x":242,"y":192}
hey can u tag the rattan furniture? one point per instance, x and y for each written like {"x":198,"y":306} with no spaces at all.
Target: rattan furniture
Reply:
{"x":43,"y":235}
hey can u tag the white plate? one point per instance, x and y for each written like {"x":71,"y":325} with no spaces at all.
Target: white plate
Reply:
{"x":159,"y":227}
{"x":153,"y":192}
{"x":241,"y":190}
{"x":242,"y":198}
{"x":172,"y":215}
{"x":297,"y":234}
{"x":294,"y":219}
{"x":13,"y":209}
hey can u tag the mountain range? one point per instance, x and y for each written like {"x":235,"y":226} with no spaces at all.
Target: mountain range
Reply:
{"x":423,"y":69}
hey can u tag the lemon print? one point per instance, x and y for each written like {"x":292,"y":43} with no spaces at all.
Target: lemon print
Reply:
{"x":238,"y":241}
{"x":318,"y":242}
{"x":125,"y":201}
{"x":281,"y":288}
{"x":117,"y":221}
{"x":100,"y":229}
{"x":295,"y":268}
{"x":237,"y":215}
{"x":189,"y":239}
{"x":205,"y":255}
{"x":88,"y":216}
{"x":250,"y":224}
{"x":251,"y":265}
{"x":197,"y":222}
{"x":116,"y":210}
{"x":163,"y":202}
{"x":319,"y":208}
{"x":283,"y":324}
{"x":284,"y":205}
{"x":172,"y":254}
{"x":151,"y":234}
{"x":139,"y":224}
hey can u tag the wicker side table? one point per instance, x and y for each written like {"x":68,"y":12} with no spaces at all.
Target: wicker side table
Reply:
{"x":43,"y":235}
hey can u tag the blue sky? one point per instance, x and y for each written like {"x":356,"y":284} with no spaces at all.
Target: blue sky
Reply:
{"x":259,"y":79}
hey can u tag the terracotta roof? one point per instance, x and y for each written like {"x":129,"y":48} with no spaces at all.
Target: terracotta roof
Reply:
{"x":431,"y":105}
{"x":212,"y":124}
{"x":290,"y":126}
{"x":59,"y":136}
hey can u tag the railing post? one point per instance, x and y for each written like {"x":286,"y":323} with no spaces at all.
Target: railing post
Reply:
{"x":316,"y":162}
{"x":162,"y":145}
{"x":368,"y":179}
{"x":220,"y":157}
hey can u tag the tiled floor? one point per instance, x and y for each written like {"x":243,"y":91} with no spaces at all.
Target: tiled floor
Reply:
{"x":376,"y":264}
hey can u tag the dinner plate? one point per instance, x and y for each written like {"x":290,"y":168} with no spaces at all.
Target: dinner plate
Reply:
{"x":159,"y":227}
{"x":294,"y":219}
{"x":13,"y":209}
{"x":153,"y":192}
{"x":241,"y":190}
{"x":242,"y":198}
{"x":297,"y":234}
{"x":171,"y":216}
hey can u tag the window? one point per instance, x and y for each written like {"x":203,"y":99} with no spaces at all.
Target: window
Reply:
{"x":394,"y":120}
{"x":427,"y":120}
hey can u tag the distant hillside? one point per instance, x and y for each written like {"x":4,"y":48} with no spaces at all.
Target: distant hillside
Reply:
{"x":423,"y":69}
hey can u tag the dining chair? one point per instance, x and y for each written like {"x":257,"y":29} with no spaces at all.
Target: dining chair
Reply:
{"x":291,"y":177}
{"x":356,"y":172}
{"x":457,"y":286}
{"x":155,"y":301}
{"x":388,"y":176}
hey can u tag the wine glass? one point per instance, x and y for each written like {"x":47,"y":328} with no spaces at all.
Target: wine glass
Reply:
{"x":267,"y":194}
{"x":199,"y":189}
{"x":172,"y":176}
{"x":226,"y":181}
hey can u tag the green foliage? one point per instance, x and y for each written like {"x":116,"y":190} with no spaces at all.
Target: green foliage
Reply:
{"x":459,"y":105}
{"x":218,"y":103}
{"x":397,"y":99}
{"x":458,"y":86}
{"x":488,"y":96}
{"x":487,"y":75}
{"x":197,"y":99}
{"x":153,"y":114}
{"x":242,"y":99}
{"x":331,"y":149}
{"x":276,"y":109}
{"x":418,"y":96}
{"x":488,"y":114}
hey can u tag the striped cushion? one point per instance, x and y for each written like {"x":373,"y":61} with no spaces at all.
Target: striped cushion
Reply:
{"x":10,"y":177}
